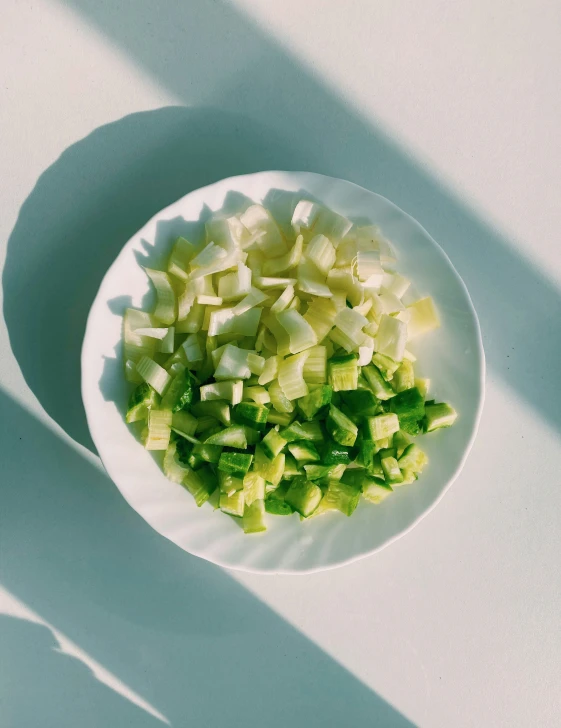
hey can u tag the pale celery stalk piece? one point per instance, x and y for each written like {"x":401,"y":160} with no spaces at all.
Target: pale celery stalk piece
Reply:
{"x":167,"y":344}
{"x":153,"y":374}
{"x":321,"y":253}
{"x":301,"y":334}
{"x":391,"y":337}
{"x":315,"y":366}
{"x":205,"y":300}
{"x":311,"y":281}
{"x":262,"y":226}
{"x":254,"y":517}
{"x":257,"y":394}
{"x":284,"y":263}
{"x":320,"y":315}
{"x":192,"y":348}
{"x":159,"y":429}
{"x":179,"y":259}
{"x":225,"y":321}
{"x":279,"y":400}
{"x":284,"y":300}
{"x":166,"y":304}
{"x":153,"y":333}
{"x":424,"y":317}
{"x":291,"y":376}
{"x":236,"y":284}
{"x":232,"y":391}
{"x":136,"y":346}
{"x":233,"y":364}
{"x":269,"y":282}
{"x":304,"y":216}
{"x":255,"y":297}
{"x":369,"y":267}
{"x":383,"y":426}
{"x":270,"y":370}
{"x":391,"y":303}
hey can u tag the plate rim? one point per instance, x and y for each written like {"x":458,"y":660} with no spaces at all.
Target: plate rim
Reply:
{"x":84,"y":361}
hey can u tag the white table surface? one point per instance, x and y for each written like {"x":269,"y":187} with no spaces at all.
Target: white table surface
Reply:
{"x":111,"y":109}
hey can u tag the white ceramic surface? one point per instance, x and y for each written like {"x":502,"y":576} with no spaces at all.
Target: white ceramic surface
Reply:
{"x":451,"y":357}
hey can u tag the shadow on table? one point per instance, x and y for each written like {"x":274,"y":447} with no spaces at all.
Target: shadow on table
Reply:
{"x":176,"y":630}
{"x":256,"y":109}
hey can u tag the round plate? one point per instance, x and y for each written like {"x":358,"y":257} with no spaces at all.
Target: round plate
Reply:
{"x":452,"y":357}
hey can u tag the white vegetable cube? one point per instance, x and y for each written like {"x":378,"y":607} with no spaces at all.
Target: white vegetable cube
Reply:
{"x":322,"y":253}
{"x":391,"y":337}
{"x":424,"y":317}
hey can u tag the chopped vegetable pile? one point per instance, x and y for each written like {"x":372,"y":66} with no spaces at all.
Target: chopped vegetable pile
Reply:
{"x":274,"y":371}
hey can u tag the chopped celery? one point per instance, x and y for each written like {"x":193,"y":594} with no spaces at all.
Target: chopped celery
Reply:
{"x":391,"y":337}
{"x":392,"y":473}
{"x":321,"y":253}
{"x":312,"y":403}
{"x":424,"y":317}
{"x":153,"y":374}
{"x":382,"y":426}
{"x":142,"y":399}
{"x":409,"y":406}
{"x":404,"y":378}
{"x":343,"y":372}
{"x":279,"y":400}
{"x":272,"y":444}
{"x":315,"y":368}
{"x":260,"y":395}
{"x":181,"y":254}
{"x":379,"y":386}
{"x":251,"y":414}
{"x":166,"y":306}
{"x":304,"y":496}
{"x":213,"y":408}
{"x":159,"y":430}
{"x":291,"y":377}
{"x":301,"y":334}
{"x":235,"y":463}
{"x":439,"y":415}
{"x":385,"y":365}
{"x":340,"y":427}
{"x":231,"y":391}
{"x":253,"y":517}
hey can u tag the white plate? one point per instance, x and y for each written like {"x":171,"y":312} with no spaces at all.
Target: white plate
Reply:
{"x":452,"y":357}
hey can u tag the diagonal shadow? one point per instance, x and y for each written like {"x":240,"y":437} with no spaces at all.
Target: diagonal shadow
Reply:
{"x":179,"y":632}
{"x":211,"y":54}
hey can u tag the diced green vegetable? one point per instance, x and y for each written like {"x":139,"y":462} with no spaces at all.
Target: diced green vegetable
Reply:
{"x":343,"y":372}
{"x":302,"y":431}
{"x":233,"y":436}
{"x":334,"y":453}
{"x":383,"y":426}
{"x":254,"y":517}
{"x":312,"y":403}
{"x":375,"y":491}
{"x":340,"y":427}
{"x":361,"y":402}
{"x":213,"y":408}
{"x":235,"y":463}
{"x":200,"y":484}
{"x":400,"y":442}
{"x":404,"y":378}
{"x":323,"y":474}
{"x":159,"y":430}
{"x":253,"y":487}
{"x":180,"y":392}
{"x":228,"y":483}
{"x":303,"y":496}
{"x":376,"y":381}
{"x":385,"y":365}
{"x":340,"y":496}
{"x":391,"y":470}
{"x":439,"y":415}
{"x":304,"y":451}
{"x":141,"y":401}
{"x":272,"y":444}
{"x":409,"y":406}
{"x":153,"y":374}
{"x":413,"y":459}
{"x":291,"y":469}
{"x":233,"y":504}
{"x":271,"y":470}
{"x":251,"y":414}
